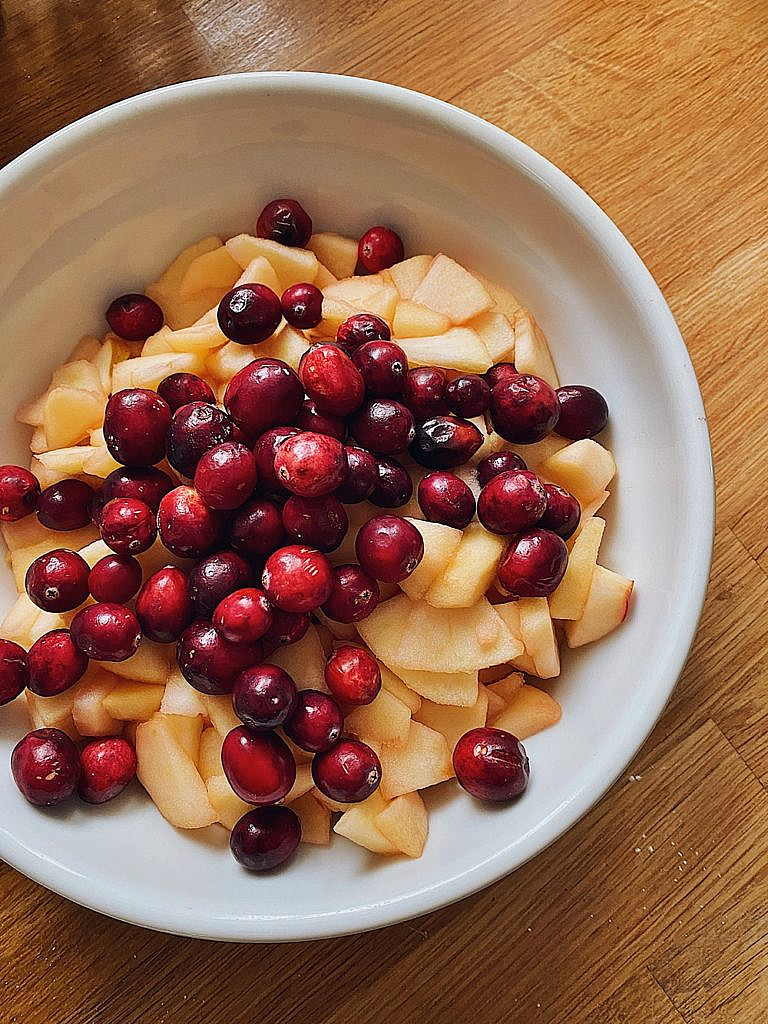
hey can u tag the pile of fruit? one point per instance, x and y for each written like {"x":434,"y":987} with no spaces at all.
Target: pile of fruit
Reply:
{"x":294,"y":533}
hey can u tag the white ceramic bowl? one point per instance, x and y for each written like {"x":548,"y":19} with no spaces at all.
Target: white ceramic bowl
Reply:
{"x":100,"y":207}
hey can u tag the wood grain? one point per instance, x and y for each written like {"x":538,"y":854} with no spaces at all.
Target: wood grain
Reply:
{"x":653,"y":909}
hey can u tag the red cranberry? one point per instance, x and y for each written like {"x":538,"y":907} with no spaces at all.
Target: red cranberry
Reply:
{"x":511,"y":502}
{"x":500,"y":372}
{"x":264,"y":697}
{"x":491,"y":764}
{"x":312,"y":419}
{"x":353,"y":675}
{"x":348,"y":772}
{"x":316,"y":522}
{"x":533,"y":564}
{"x":445,"y":498}
{"x":297,"y":579}
{"x":331,"y":379}
{"x":311,"y":464}
{"x":107,"y":764}
{"x":147,"y":484}
{"x":360,"y":328}
{"x":58,"y":580}
{"x":115,"y":578}
{"x":209,"y":662}
{"x":302,"y":306}
{"x":499,"y":462}
{"x":362,"y":473}
{"x":257,"y":529}
{"x":583,"y":412}
{"x":182,"y":388}
{"x":287,"y":628}
{"x":226,"y":475}
{"x":66,"y":505}
{"x":164,"y":608}
{"x":19,"y":491}
{"x":524,"y":408}
{"x":55,"y":663}
{"x":383,"y":366}
{"x":468,"y":395}
{"x":383,"y":426}
{"x":186,"y":525}
{"x":134,"y":317}
{"x":379,"y":248}
{"x":316,"y":722}
{"x":194,"y":430}
{"x":563,"y":512}
{"x":424,"y":392}
{"x":127,"y":526}
{"x":249,"y":314}
{"x":264,"y":394}
{"x":216,"y":576}
{"x":136,"y":421}
{"x":14,"y":670}
{"x":243,"y":616}
{"x":265,"y":837}
{"x":46,"y":767}
{"x":259,"y":765}
{"x":389,"y":548}
{"x":285,"y":221}
{"x":354,"y":596}
{"x":106,"y":631}
{"x":264,"y":451}
{"x":445,"y":441}
{"x":393,"y":487}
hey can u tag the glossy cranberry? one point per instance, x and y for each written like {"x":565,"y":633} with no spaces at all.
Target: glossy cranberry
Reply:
{"x":379,"y":248}
{"x":265,"y":837}
{"x":383,"y":366}
{"x":491,"y":764}
{"x":360,"y":328}
{"x":389,"y":548}
{"x":249,"y":314}
{"x":106,"y":631}
{"x":362,"y":474}
{"x":55,"y":663}
{"x":583,"y":412}
{"x":264,"y":451}
{"x":19,"y":491}
{"x":499,"y":462}
{"x":500,"y":372}
{"x":287,"y":628}
{"x":318,"y":523}
{"x":128,"y":526}
{"x":257,"y":529}
{"x":145,"y":483}
{"x":316,"y":722}
{"x":226,"y":475}
{"x":444,"y":442}
{"x":186,"y":525}
{"x":511,"y":502}
{"x":46,"y":767}
{"x":115,"y":578}
{"x":348,"y":772}
{"x":136,"y":421}
{"x":65,"y":505}
{"x":297,"y":578}
{"x":393,"y":487}
{"x":107,"y":765}
{"x":563,"y":512}
{"x":533,"y":564}
{"x":134,"y":317}
{"x":424,"y":392}
{"x":14,"y":670}
{"x":194,"y":430}
{"x":302,"y":306}
{"x":311,"y":464}
{"x":214,"y":577}
{"x":182,"y":388}
{"x":243,"y":616}
{"x":468,"y":395}
{"x":354,"y":596}
{"x":285,"y":221}
{"x":259,"y":765}
{"x":311,"y":418}
{"x":331,"y":379}
{"x":264,"y":394}
{"x":353,"y":675}
{"x":445,"y":498}
{"x":209,"y":662}
{"x":264,"y":697}
{"x":383,"y":426}
{"x":58,"y":580}
{"x":164,"y":608}
{"x":524,"y":408}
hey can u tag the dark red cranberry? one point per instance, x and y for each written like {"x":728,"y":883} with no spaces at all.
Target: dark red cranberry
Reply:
{"x":19,"y":491}
{"x":249,"y":314}
{"x":164,"y":608}
{"x":257,"y":529}
{"x":389,"y":548}
{"x":311,"y":418}
{"x":362,"y":473}
{"x":316,"y":722}
{"x":533,"y":564}
{"x":285,"y":221}
{"x":311,"y":464}
{"x":243,"y":616}
{"x":107,"y":765}
{"x":511,"y":502}
{"x":331,"y":379}
{"x":348,"y":772}
{"x":147,"y":484}
{"x":445,"y":498}
{"x":445,"y":441}
{"x":563,"y":512}
{"x":379,"y":248}
{"x":214,"y":577}
{"x":134,"y":317}
{"x":128,"y":526}
{"x":264,"y":451}
{"x":393,"y":487}
{"x":500,"y":372}
{"x":265,"y":837}
{"x":297,"y":579}
{"x":46,"y":767}
{"x":55,"y":663}
{"x":354,"y":596}
{"x":226,"y":475}
{"x":491,"y":764}
{"x":66,"y":505}
{"x":209,"y":662}
{"x":424,"y":392}
{"x":264,"y":697}
{"x":186,"y":525}
{"x":287,"y":628}
{"x":264,"y":394}
{"x":182,"y":388}
{"x":319,"y":523}
{"x":383,"y":426}
{"x":194,"y":430}
{"x":115,"y":578}
{"x":524,"y":408}
{"x":499,"y":462}
{"x":14,"y":670}
{"x":360,"y":328}
{"x":302,"y":306}
{"x":259,"y":765}
{"x":468,"y":395}
{"x":353,"y":675}
{"x":58,"y":580}
{"x":136,"y":421}
{"x":583,"y":412}
{"x":383,"y":366}
{"x":106,"y":631}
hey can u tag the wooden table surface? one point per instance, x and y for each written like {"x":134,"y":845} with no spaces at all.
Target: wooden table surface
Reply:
{"x":652,"y":910}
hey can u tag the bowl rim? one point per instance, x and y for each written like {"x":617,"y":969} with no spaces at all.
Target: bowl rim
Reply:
{"x":627,"y":739}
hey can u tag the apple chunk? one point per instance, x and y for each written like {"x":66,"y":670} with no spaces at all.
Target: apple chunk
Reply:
{"x":440,"y":544}
{"x":405,"y":823}
{"x":453,"y":722}
{"x":408,"y":275}
{"x":414,"y":321}
{"x":570,"y":597}
{"x":471,"y":570}
{"x":606,"y":608}
{"x":530,"y":711}
{"x":209,"y":754}
{"x":423,"y":760}
{"x":226,"y":803}
{"x":458,"y":689}
{"x":170,"y":776}
{"x":304,"y":661}
{"x":137,"y":702}
{"x":337,"y":252}
{"x":385,"y":720}
{"x":539,"y":636}
{"x":532,"y":353}
{"x":315,"y":820}
{"x":52,"y":712}
{"x":358,"y":825}
{"x":90,"y":716}
{"x":584,"y":468}
{"x":290,"y":264}
{"x":497,"y":334}
{"x":459,"y":348}
{"x":450,"y":289}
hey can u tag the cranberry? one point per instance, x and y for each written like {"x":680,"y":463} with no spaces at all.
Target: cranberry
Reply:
{"x":362,"y":473}
{"x":297,"y":578}
{"x":147,"y":484}
{"x":563,"y":512}
{"x":194,"y":430}
{"x":311,"y":464}
{"x":134,"y":317}
{"x":19,"y":491}
{"x":107,"y":765}
{"x":226,"y":475}
{"x":287,"y":628}
{"x":383,"y":366}
{"x":383,"y":426}
{"x":186,"y":525}
{"x":136,"y":421}
{"x":115,"y":578}
{"x":249,"y":314}
{"x":389,"y":548}
{"x":264,"y":451}
{"x":360,"y":328}
{"x":55,"y":663}
{"x":424,"y":392}
{"x":243,"y":616}
{"x":331,"y":379}
{"x":316,"y":722}
{"x":353,"y":675}
{"x":491,"y":764}
{"x":500,"y":372}
{"x":182,"y":388}
{"x":393,"y":487}
{"x":445,"y":441}
{"x":128,"y":526}
{"x":511,"y":502}
{"x":583,"y":412}
{"x":285,"y":221}
{"x":265,"y":837}
{"x":66,"y":505}
{"x":302,"y":306}
{"x":354,"y":596}
{"x":259,"y":765}
{"x":445,"y":498}
{"x":317,"y":522}
{"x":348,"y":772}
{"x":311,"y":418}
{"x":46,"y":767}
{"x":533,"y":564}
{"x":499,"y":462}
{"x":468,"y":395}
{"x":263,"y":394}
{"x":164,"y":608}
{"x":257,"y":529}
{"x":524,"y":408}
{"x":58,"y":580}
{"x":264,"y":697}
{"x":379,"y":248}
{"x":216,"y":576}
{"x":14,"y":670}
{"x":209,"y":662}
{"x":106,"y":631}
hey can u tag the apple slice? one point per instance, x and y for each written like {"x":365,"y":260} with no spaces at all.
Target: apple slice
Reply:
{"x":539,"y":636}
{"x":423,"y":760}
{"x":80,"y":374}
{"x":148,"y":371}
{"x":497,"y":334}
{"x":459,"y":348}
{"x":45,"y":622}
{"x":584,"y":468}
{"x":150,"y":663}
{"x":290,"y":264}
{"x":315,"y":820}
{"x":587,"y":512}
{"x":214,"y":269}
{"x":64,"y":462}
{"x":209,"y":756}
{"x":530,"y":711}
{"x":405,"y":823}
{"x":220,"y":712}
{"x":173,"y":275}
{"x":302,"y":784}
{"x":337,"y":252}
{"x":159,"y":342}
{"x":338,"y":630}
{"x":52,"y":712}
{"x":532,"y":353}
{"x":440,"y":545}
{"x":471,"y":570}
{"x":70,"y":413}
{"x":181,"y":311}
{"x":199,"y":338}
{"x":22,"y":558}
{"x":508,"y":686}
{"x":91,"y":553}
{"x":358,"y":825}
{"x":228,"y":806}
{"x":33,"y":411}
{"x":495,"y":704}
{"x":98,"y":462}
{"x":397,"y":688}
{"x":408,"y":275}
{"x":570,"y":597}
{"x":225,"y":362}
{"x":414,"y":321}
{"x":88,"y":712}
{"x":606,"y":608}
{"x":335,"y":312}
{"x":458,"y":689}
{"x":39,"y":442}
{"x":187,"y":731}
{"x":324,"y":277}
{"x":180,"y":698}
{"x":364,"y":294}
{"x":261,"y":271}
{"x":450,"y":289}
{"x":503,"y":299}
{"x":453,"y":722}
{"x":304,"y":661}
{"x":137,"y":702}
{"x":385,"y":720}
{"x":19,"y":620}
{"x":171,"y":777}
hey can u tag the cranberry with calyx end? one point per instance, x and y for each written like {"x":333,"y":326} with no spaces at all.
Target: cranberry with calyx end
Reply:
{"x":194,"y":430}
{"x":46,"y":767}
{"x":214,"y":577}
{"x":186,"y":525}
{"x":383,"y":366}
{"x":389,"y":548}
{"x":249,"y":314}
{"x":316,"y":722}
{"x":393,"y":487}
{"x":353,"y":675}
{"x":136,"y":421}
{"x":511,"y":502}
{"x":491,"y":764}
{"x":164,"y":608}
{"x":128,"y":526}
{"x":106,"y":631}
{"x":209,"y":662}
{"x":500,"y":372}
{"x":265,"y":837}
{"x":354,"y":596}
{"x":297,"y":578}
{"x":243,"y":616}
{"x":313,"y":419}
{"x":287,"y":628}
{"x":445,"y":498}
{"x":311,"y":464}
{"x":19,"y":491}
{"x":108,"y":765}
{"x":14,"y":670}
{"x":383,"y":426}
{"x":145,"y":483}
{"x":362,"y":474}
{"x":533,"y":564}
{"x":264,"y":451}
{"x":55,"y":663}
{"x":498,"y":462}
{"x":523,"y":408}
{"x":134,"y":317}
{"x":424,"y":392}
{"x":264,"y":394}
{"x":444,"y":442}
{"x":563,"y":512}
{"x":360,"y":328}
{"x":348,"y":772}
{"x":66,"y":505}
{"x":226,"y":475}
{"x":264,"y":697}
{"x":115,"y":578}
{"x":259,"y":765}
{"x":58,"y":580}
{"x":302,"y":306}
{"x":182,"y":388}
{"x":583,"y":412}
{"x":468,"y":395}
{"x":257,"y":529}
{"x":319,"y":523}
{"x":379,"y":248}
{"x":285,"y":221}
{"x":331,"y":379}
